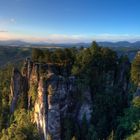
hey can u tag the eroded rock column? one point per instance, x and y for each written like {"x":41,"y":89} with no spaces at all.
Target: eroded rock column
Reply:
{"x":40,"y":109}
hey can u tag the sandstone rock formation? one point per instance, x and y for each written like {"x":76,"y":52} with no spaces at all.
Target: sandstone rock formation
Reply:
{"x":50,"y":95}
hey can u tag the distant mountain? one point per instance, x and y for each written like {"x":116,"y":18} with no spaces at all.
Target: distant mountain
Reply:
{"x":103,"y":44}
{"x":46,"y":44}
{"x":13,"y":43}
{"x":120,"y":44}
{"x":136,"y":43}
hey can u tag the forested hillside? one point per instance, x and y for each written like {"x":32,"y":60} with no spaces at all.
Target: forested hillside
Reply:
{"x":71,"y":94}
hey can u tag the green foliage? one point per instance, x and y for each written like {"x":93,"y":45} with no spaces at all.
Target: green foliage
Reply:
{"x":136,"y":102}
{"x":21,"y":128}
{"x":90,"y":64}
{"x":135,"y":136}
{"x":93,"y":66}
{"x":130,"y":122}
{"x":59,"y":57}
{"x":106,"y":107}
{"x":135,"y":69}
{"x":5,"y":77}
{"x":37,"y":54}
{"x":53,"y":56}
{"x":33,"y":93}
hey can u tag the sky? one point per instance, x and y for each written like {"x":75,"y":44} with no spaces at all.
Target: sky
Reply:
{"x":70,"y":21}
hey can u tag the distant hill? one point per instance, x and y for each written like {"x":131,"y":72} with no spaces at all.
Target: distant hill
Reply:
{"x":14,"y":43}
{"x":120,"y":44}
{"x":45,"y":44}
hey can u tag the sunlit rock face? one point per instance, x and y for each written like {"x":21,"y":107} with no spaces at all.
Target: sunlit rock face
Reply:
{"x":40,"y":109}
{"x":33,"y":83}
{"x":52,"y":103}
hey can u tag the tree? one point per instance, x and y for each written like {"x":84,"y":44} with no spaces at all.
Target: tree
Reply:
{"x":47,"y":55}
{"x":37,"y":54}
{"x":135,"y":69}
{"x":134,"y":136}
{"x":94,"y":47}
{"x":129,"y":123}
{"x":0,"y":111}
{"x":20,"y":128}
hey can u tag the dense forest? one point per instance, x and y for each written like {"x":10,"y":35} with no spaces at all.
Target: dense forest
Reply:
{"x":104,"y":103}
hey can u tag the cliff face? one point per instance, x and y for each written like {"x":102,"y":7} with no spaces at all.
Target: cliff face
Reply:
{"x":48,"y":96}
{"x":41,"y":109}
{"x":52,"y":102}
{"x":51,"y":95}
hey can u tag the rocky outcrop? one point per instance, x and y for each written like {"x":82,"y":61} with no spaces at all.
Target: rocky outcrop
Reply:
{"x":48,"y":94}
{"x":52,"y":104}
{"x":51,"y":93}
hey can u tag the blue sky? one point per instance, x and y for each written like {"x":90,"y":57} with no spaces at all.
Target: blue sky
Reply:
{"x":70,"y":20}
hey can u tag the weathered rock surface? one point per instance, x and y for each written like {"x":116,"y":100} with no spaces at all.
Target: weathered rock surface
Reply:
{"x":40,"y":110}
{"x":52,"y":104}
